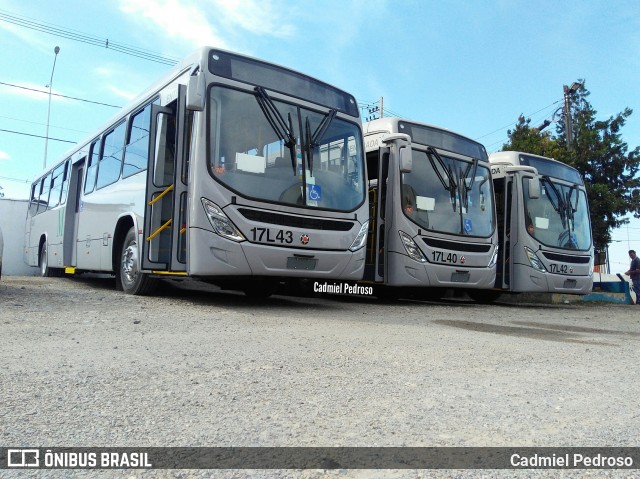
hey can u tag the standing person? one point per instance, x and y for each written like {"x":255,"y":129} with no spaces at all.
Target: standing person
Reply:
{"x":634,"y":274}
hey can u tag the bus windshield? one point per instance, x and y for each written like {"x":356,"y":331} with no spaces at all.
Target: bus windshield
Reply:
{"x":560,"y":216}
{"x":273,"y":151}
{"x":448,"y":195}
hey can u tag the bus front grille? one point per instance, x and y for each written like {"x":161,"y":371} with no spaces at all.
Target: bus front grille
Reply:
{"x":456,"y":246}
{"x":295,"y":221}
{"x":565,"y":258}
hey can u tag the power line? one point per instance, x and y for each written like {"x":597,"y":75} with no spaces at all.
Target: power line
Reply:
{"x":14,"y":179}
{"x":36,"y":136}
{"x":58,"y":94}
{"x":42,"y":124}
{"x":85,"y":38}
{"x":511,"y":124}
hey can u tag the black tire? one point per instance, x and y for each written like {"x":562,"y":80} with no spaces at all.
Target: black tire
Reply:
{"x":129,"y":278}
{"x":387,"y":293}
{"x":45,"y":272}
{"x":484,"y":296}
{"x":259,"y":290}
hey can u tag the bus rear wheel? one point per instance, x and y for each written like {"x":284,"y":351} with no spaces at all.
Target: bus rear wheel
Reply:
{"x":43,"y":261}
{"x":129,"y":277}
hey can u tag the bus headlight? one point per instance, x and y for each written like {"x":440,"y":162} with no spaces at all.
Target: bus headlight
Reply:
{"x":591,"y":264}
{"x":412,"y":248}
{"x":221,"y":223}
{"x":494,"y":258}
{"x":361,"y":237}
{"x":534,"y":260}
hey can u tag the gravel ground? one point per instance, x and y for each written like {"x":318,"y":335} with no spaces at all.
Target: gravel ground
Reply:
{"x":85,"y":365}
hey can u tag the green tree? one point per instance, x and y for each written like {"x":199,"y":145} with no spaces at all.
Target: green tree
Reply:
{"x":599,"y":153}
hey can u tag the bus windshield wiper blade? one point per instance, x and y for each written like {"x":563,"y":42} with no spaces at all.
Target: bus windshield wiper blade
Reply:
{"x":312,"y":139}
{"x":474,"y":164}
{"x":560,"y":207}
{"x":431,"y":154}
{"x":277,"y":122}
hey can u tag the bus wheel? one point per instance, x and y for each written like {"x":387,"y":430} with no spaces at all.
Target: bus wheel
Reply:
{"x":129,"y":277}
{"x":483,"y":296}
{"x":43,"y":261}
{"x":259,"y":290}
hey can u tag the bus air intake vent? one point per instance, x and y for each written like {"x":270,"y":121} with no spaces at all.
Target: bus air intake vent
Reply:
{"x":455,"y":246}
{"x":295,"y":221}
{"x":565,"y":258}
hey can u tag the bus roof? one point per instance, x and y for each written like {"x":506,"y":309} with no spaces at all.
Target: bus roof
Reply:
{"x":545,"y":166}
{"x":423,"y":133}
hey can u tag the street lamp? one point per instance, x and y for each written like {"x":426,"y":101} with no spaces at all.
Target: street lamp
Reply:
{"x":56,"y":50}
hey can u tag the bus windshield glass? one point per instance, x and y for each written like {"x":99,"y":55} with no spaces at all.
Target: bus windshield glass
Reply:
{"x":282,"y":80}
{"x":269,"y":150}
{"x":443,"y":140}
{"x":559,"y":217}
{"x":448,"y":195}
{"x":552,"y":168}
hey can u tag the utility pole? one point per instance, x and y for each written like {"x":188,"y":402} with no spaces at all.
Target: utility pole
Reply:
{"x":381,"y":107}
{"x":568,"y":123}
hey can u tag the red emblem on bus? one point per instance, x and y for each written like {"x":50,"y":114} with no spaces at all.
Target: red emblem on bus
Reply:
{"x":304,"y":238}
{"x":462,"y":259}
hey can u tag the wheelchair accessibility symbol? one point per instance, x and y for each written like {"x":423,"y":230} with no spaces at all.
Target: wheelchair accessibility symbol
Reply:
{"x":315,"y":192}
{"x":468,"y":226}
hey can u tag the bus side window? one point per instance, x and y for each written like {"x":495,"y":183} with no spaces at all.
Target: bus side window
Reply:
{"x":33,"y":206}
{"x":65,"y":182}
{"x":92,"y":168}
{"x":45,"y":187}
{"x":56,"y":186}
{"x":110,"y":164}
{"x":137,"y":150}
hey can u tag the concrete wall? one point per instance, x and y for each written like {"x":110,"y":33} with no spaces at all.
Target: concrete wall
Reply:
{"x":13,"y":214}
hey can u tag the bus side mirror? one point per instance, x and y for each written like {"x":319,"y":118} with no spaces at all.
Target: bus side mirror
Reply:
{"x":534,"y":188}
{"x":406,"y":160}
{"x":195,"y":92}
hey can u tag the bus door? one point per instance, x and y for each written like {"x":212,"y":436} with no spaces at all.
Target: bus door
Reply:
{"x":69,"y":253}
{"x":377,"y":164}
{"x":165,"y":229}
{"x":503,"y":188}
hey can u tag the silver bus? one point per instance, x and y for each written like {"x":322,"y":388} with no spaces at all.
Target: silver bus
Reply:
{"x":543,"y":225}
{"x":230,"y":169}
{"x":431,"y":208}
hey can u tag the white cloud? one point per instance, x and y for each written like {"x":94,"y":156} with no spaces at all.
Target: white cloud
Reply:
{"x":260,"y":17}
{"x":121,"y":93}
{"x":4,"y":155}
{"x":219,"y":23}
{"x":175,"y":18}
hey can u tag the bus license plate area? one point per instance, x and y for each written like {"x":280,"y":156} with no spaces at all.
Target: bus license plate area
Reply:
{"x":301,"y":263}
{"x":460,"y":277}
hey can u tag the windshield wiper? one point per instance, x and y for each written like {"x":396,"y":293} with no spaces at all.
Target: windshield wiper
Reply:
{"x":431,"y":154}
{"x":280,"y":127}
{"x":560,"y":207}
{"x":463,"y":179}
{"x":312,"y":139}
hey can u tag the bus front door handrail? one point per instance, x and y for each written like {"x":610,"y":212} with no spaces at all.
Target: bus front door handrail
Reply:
{"x":159,"y":230}
{"x":161,"y":195}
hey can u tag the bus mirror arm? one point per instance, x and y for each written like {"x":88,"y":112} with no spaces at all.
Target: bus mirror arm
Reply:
{"x":195,"y":92}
